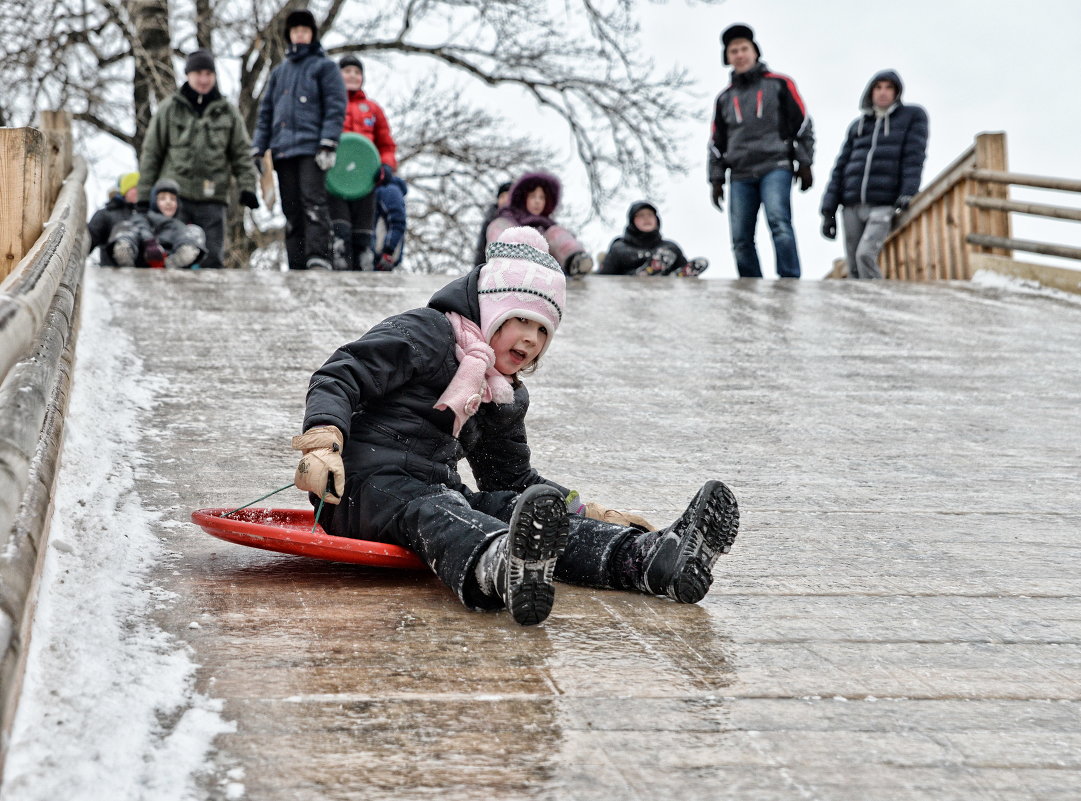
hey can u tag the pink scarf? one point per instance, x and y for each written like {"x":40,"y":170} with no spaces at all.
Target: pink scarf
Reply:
{"x":476,"y":381}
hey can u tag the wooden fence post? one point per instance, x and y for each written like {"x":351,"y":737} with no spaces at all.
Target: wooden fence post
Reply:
{"x":990,"y":155}
{"x":56,"y":125}
{"x":24,"y":154}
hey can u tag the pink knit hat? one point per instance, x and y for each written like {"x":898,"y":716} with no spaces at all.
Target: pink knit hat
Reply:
{"x":520,"y":279}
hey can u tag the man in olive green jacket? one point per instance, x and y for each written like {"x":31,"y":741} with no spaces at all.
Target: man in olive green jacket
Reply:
{"x":197,"y":138}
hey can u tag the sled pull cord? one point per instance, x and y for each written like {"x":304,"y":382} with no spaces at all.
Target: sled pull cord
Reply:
{"x":318,"y":511}
{"x":275,"y":492}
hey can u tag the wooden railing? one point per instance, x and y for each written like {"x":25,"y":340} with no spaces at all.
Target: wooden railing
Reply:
{"x":44,"y":248}
{"x":930,"y":240}
{"x":960,"y":223}
{"x":33,"y":165}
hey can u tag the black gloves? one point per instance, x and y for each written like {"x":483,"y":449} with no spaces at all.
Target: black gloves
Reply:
{"x":829,"y":225}
{"x":717,"y":195}
{"x":249,"y":199}
{"x":803,"y":173}
{"x":901,"y":204}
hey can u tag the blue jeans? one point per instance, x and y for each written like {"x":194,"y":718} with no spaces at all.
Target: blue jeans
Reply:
{"x":774,"y":191}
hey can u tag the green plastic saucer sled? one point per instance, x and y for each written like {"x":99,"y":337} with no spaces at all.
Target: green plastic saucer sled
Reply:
{"x":355,"y":168}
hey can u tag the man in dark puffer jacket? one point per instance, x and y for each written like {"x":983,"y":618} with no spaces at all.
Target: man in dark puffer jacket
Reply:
{"x":877,"y":172}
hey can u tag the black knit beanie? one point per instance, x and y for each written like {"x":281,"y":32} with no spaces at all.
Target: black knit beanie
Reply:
{"x":350,"y":61}
{"x":199,"y":60}
{"x":301,"y":17}
{"x":738,"y":31}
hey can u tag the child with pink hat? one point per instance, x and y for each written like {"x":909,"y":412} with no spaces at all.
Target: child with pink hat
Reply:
{"x":389,"y":416}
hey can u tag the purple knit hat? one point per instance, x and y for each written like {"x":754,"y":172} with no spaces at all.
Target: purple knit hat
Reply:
{"x":520,"y":279}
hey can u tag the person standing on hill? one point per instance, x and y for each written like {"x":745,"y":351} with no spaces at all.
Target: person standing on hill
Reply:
{"x":197,"y":138}
{"x":300,"y":122}
{"x":876,"y":173}
{"x":760,"y":127}
{"x":354,"y":220}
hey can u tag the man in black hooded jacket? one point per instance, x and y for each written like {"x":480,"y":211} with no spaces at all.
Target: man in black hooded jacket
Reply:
{"x":877,"y":172}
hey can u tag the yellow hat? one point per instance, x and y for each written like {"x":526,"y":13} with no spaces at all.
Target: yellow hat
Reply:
{"x":128,"y":180}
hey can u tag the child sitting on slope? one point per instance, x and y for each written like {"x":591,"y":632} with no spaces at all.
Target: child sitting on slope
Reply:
{"x":158,"y":238}
{"x":389,"y":416}
{"x":533,"y":199}
{"x":642,"y":251}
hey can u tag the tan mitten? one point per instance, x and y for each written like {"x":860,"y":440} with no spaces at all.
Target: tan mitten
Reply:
{"x":322,"y":461}
{"x":630,"y":520}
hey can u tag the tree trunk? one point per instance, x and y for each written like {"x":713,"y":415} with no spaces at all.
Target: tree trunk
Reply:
{"x":154,"y":76}
{"x":204,"y":24}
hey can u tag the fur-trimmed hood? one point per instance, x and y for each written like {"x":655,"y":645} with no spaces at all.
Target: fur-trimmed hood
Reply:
{"x":516,"y":210}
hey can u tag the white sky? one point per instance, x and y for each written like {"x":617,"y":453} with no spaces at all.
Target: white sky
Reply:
{"x":975,"y":66}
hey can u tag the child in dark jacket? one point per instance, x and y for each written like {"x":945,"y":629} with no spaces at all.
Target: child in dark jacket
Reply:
{"x":533,"y":199}
{"x":158,"y":238}
{"x":389,"y":416}
{"x":642,"y":251}
{"x":121,"y":206}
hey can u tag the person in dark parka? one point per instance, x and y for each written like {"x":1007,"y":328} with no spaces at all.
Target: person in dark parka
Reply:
{"x":300,"y":122}
{"x":642,"y":250}
{"x":502,"y":198}
{"x":121,"y":205}
{"x":389,"y":416}
{"x":877,"y":172}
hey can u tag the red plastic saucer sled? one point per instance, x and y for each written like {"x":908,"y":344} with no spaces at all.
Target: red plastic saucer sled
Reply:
{"x":290,"y":531}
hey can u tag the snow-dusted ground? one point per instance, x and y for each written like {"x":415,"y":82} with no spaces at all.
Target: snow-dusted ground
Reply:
{"x":108,"y":709}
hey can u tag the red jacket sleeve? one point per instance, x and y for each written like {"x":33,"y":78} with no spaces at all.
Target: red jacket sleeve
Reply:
{"x":384,"y":142}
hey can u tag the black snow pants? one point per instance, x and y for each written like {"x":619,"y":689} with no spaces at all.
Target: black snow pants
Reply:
{"x":353,"y":221}
{"x":303,"y":190}
{"x":450,"y":528}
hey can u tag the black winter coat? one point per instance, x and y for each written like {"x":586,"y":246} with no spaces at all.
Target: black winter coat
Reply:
{"x":381,"y":392}
{"x":303,"y":105}
{"x":882,"y":157}
{"x":102,"y":223}
{"x":760,"y":124}
{"x":632,"y":252}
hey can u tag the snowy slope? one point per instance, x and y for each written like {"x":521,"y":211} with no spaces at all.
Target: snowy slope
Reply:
{"x":108,"y":709}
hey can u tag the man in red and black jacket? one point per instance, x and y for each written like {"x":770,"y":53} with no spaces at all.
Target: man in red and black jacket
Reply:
{"x":354,"y":220}
{"x":760,"y":127}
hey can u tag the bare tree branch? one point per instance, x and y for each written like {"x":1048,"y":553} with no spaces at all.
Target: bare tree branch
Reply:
{"x":580,"y":60}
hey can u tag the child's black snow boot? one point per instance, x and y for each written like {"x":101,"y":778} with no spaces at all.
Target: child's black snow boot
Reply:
{"x":518,"y":566}
{"x":678,"y":561}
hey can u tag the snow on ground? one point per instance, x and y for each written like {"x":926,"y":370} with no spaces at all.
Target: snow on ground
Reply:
{"x":108,"y":708}
{"x":989,"y":278}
